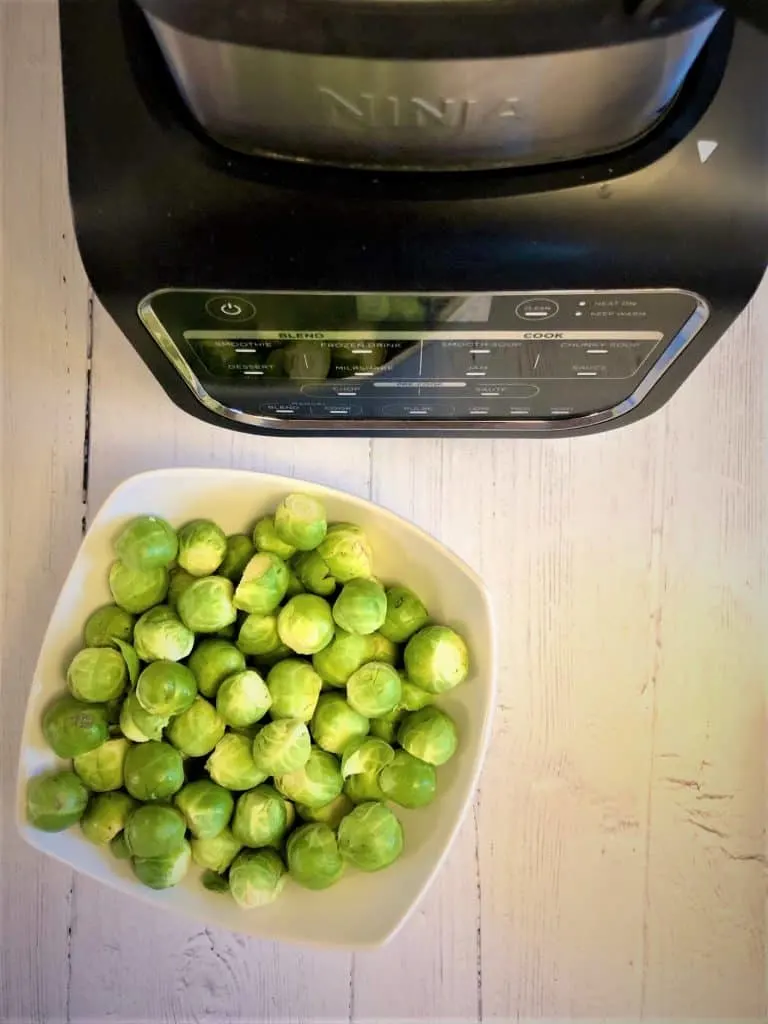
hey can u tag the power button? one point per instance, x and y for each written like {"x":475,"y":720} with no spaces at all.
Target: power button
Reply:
{"x":231,"y":308}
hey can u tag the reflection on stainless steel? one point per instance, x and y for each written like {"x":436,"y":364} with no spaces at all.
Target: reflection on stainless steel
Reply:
{"x":435,"y":115}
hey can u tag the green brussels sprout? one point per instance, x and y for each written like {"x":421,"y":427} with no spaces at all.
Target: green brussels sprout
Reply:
{"x":138,"y":725}
{"x":335,"y":724}
{"x":166,"y":688}
{"x":202,"y":547}
{"x":300,"y":521}
{"x":429,"y":734}
{"x":290,"y":815}
{"x":55,"y":801}
{"x":137,"y":590}
{"x":196,"y":731}
{"x":305,"y":624}
{"x":329,"y":814}
{"x":106,"y":625}
{"x":256,"y":878}
{"x":227,"y":632}
{"x":119,"y":848}
{"x":370,"y":837}
{"x":408,"y":781}
{"x":97,"y":674}
{"x":239,"y":553}
{"x":102,"y":769}
{"x":282,"y":746}
{"x":436,"y":659}
{"x":260,"y":817}
{"x":72,"y":727}
{"x":385,"y":726}
{"x":212,"y":881}
{"x":361,"y":607}
{"x":105,"y":816}
{"x":154,"y":830}
{"x":131,"y":659}
{"x":346,"y":552}
{"x":258,"y":635}
{"x":295,"y":586}
{"x":163,"y":872}
{"x":406,"y":615}
{"x":294,"y":688}
{"x":382,"y":649}
{"x":265,"y":538}
{"x":263,"y":584}
{"x":179,"y":581}
{"x":313,"y":856}
{"x":243,"y":699}
{"x":206,"y":606}
{"x":375,"y":689}
{"x":343,"y":656}
{"x":414,"y":698}
{"x":315,"y":784}
{"x":367,"y":754}
{"x":266,"y":661}
{"x":216,"y":854}
{"x":147,"y":542}
{"x":363,"y":788}
{"x":305,"y":360}
{"x":313,"y":574}
{"x":231,"y":764}
{"x":153,"y":771}
{"x":160,"y":635}
{"x":206,"y":807}
{"x":212,"y":661}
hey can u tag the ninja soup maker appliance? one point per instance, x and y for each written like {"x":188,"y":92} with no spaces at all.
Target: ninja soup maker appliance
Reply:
{"x":419,"y":217}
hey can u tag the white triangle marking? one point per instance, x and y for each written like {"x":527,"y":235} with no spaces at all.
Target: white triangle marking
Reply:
{"x":706,"y":148}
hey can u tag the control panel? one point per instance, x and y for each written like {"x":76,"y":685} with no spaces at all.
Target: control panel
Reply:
{"x":372,"y":359}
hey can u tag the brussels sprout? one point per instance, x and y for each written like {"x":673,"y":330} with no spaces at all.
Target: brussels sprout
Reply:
{"x":216,"y":854}
{"x":315,"y":784}
{"x":313,"y":574}
{"x":166,"y":688}
{"x":119,"y":848}
{"x":408,"y":781}
{"x":335,"y":724}
{"x":239,"y":553}
{"x":294,"y":687}
{"x":290,"y":814}
{"x":105,"y":816}
{"x":343,"y":656}
{"x":196,"y":731}
{"x":258,"y":635}
{"x":206,"y":606}
{"x":163,"y":872}
{"x":370,"y":837}
{"x":212,"y":881}
{"x":153,"y":771}
{"x":72,"y":727}
{"x":178,"y":581}
{"x":138,"y":725}
{"x":106,"y":625}
{"x":206,"y":807}
{"x":295,"y":586}
{"x":414,"y":698}
{"x":97,"y":674}
{"x":212,"y":661}
{"x":55,"y":801}
{"x":347,"y":553}
{"x":329,"y":814}
{"x":227,"y":632}
{"x":266,"y":661}
{"x":282,"y":746}
{"x":256,"y":878}
{"x":243,"y":699}
{"x":102,"y":769}
{"x":305,"y":624}
{"x":137,"y":590}
{"x":436,"y":659}
{"x":406,"y":615}
{"x":231,"y":764}
{"x":161,"y":636}
{"x":202,"y":547}
{"x":367,"y":754}
{"x":382,"y":649}
{"x":305,"y":360}
{"x":362,"y":788}
{"x":263,"y":584}
{"x":313,"y":856}
{"x":260,"y":817}
{"x":361,"y":607}
{"x":300,"y":521}
{"x":147,"y":542}
{"x":154,"y":830}
{"x":131,"y":659}
{"x":429,"y":734}
{"x":385,"y":726}
{"x":265,"y":538}
{"x":375,"y":689}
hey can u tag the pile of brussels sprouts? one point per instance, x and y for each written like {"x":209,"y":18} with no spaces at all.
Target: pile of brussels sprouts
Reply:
{"x":254,"y":704}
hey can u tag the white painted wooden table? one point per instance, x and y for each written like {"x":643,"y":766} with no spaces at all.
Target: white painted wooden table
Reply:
{"x":614,"y":866}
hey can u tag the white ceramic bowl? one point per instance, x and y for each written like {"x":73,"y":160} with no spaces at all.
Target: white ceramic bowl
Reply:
{"x":363,"y":910}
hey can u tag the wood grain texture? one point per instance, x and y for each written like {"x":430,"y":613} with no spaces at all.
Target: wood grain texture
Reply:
{"x":614,"y":864}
